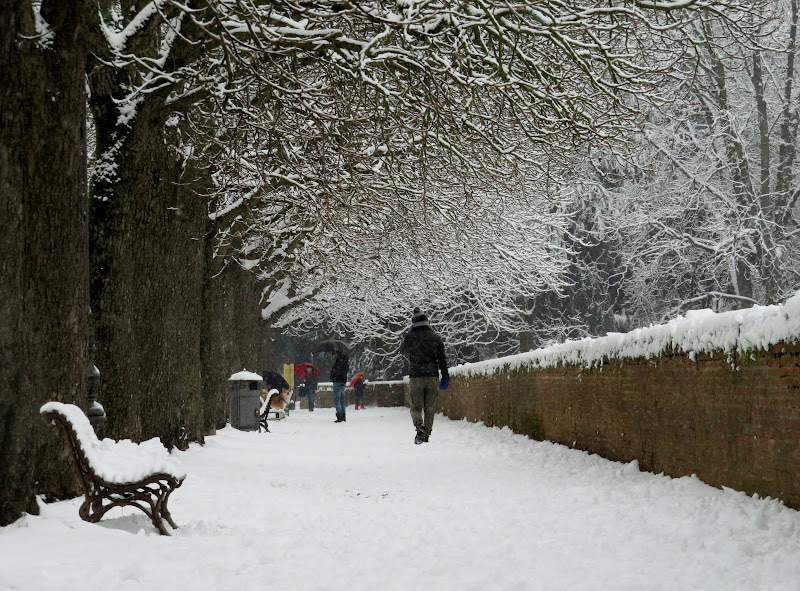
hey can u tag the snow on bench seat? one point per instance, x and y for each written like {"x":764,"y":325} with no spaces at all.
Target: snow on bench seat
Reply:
{"x":118,"y":473}
{"x":120,"y":462}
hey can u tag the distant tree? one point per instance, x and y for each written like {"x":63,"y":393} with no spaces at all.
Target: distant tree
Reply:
{"x":708,"y":216}
{"x":465,"y":268}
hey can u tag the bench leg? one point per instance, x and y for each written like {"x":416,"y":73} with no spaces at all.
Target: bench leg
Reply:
{"x":92,"y":508}
{"x":159,"y":523}
{"x":165,"y":512}
{"x":151,"y":502}
{"x":168,"y":517}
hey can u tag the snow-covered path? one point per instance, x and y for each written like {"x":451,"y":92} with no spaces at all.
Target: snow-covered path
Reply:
{"x":357,"y":506}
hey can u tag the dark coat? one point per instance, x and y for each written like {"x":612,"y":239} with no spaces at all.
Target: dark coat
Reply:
{"x":340,"y":368}
{"x":425,"y":350}
{"x":310,"y":384}
{"x":358,"y":387}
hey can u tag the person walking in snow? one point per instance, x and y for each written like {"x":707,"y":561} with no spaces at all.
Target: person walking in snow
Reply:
{"x":339,"y":369}
{"x":310,"y":387}
{"x":358,"y":390}
{"x":427,"y":374}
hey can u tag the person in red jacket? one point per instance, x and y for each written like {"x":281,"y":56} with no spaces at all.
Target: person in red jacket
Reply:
{"x":427,"y":374}
{"x":358,"y":390}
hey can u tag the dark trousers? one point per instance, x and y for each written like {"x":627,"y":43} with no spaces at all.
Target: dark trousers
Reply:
{"x":423,"y":401}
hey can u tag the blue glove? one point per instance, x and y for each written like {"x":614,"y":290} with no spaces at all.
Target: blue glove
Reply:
{"x":445,"y":383}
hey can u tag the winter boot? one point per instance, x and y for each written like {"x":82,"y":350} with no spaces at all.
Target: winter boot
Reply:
{"x":363,"y":407}
{"x":344,"y":417}
{"x":338,"y":418}
{"x":420,"y":437}
{"x":356,"y":407}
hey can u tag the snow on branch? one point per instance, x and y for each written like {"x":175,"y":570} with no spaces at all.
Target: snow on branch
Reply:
{"x":118,"y":38}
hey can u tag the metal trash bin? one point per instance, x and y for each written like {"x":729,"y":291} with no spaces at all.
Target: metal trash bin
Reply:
{"x":244,"y":400}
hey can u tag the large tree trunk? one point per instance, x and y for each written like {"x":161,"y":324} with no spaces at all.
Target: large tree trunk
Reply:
{"x":168,"y":331}
{"x":43,"y":258}
{"x":171,"y":325}
{"x":148,"y":261}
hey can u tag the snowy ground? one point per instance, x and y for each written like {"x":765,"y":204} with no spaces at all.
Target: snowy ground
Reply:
{"x":357,"y":506}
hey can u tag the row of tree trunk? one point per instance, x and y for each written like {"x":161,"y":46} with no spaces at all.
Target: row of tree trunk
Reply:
{"x":171,"y":322}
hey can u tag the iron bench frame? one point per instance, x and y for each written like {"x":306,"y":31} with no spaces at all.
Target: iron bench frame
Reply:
{"x":279,"y":413}
{"x":149,"y":494}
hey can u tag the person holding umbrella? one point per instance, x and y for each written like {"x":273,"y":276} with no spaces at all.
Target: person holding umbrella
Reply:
{"x":425,"y":350}
{"x":358,"y":384}
{"x":338,"y":374}
{"x":309,"y":373}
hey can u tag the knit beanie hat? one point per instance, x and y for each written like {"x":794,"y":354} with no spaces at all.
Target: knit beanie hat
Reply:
{"x":418,"y":318}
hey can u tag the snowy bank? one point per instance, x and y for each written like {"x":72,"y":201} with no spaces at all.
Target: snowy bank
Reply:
{"x":699,"y":331}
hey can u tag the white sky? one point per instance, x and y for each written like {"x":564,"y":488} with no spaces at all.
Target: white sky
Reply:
{"x":357,"y":506}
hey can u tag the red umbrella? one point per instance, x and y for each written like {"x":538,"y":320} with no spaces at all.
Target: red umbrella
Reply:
{"x":300,"y":369}
{"x":359,"y":375}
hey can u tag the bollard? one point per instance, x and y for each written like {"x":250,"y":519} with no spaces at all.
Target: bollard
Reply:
{"x":94,"y":410}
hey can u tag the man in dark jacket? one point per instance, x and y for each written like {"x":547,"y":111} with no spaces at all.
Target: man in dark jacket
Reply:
{"x":425,"y":351}
{"x":338,"y":375}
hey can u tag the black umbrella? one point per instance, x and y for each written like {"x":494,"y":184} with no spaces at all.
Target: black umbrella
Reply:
{"x":333,"y":345}
{"x":275,"y":381}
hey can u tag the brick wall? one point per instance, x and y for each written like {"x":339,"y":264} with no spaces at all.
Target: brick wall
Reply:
{"x":733,"y":421}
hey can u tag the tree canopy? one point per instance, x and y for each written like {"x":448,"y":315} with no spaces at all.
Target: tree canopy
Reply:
{"x":364,"y":157}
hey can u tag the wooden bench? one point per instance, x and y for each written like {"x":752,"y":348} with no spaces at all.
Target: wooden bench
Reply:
{"x":117,"y":473}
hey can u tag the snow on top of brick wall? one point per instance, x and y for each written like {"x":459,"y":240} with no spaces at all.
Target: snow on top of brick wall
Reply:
{"x":699,"y":331}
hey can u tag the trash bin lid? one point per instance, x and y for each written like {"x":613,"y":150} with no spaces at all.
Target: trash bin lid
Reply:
{"x":245,"y":376}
